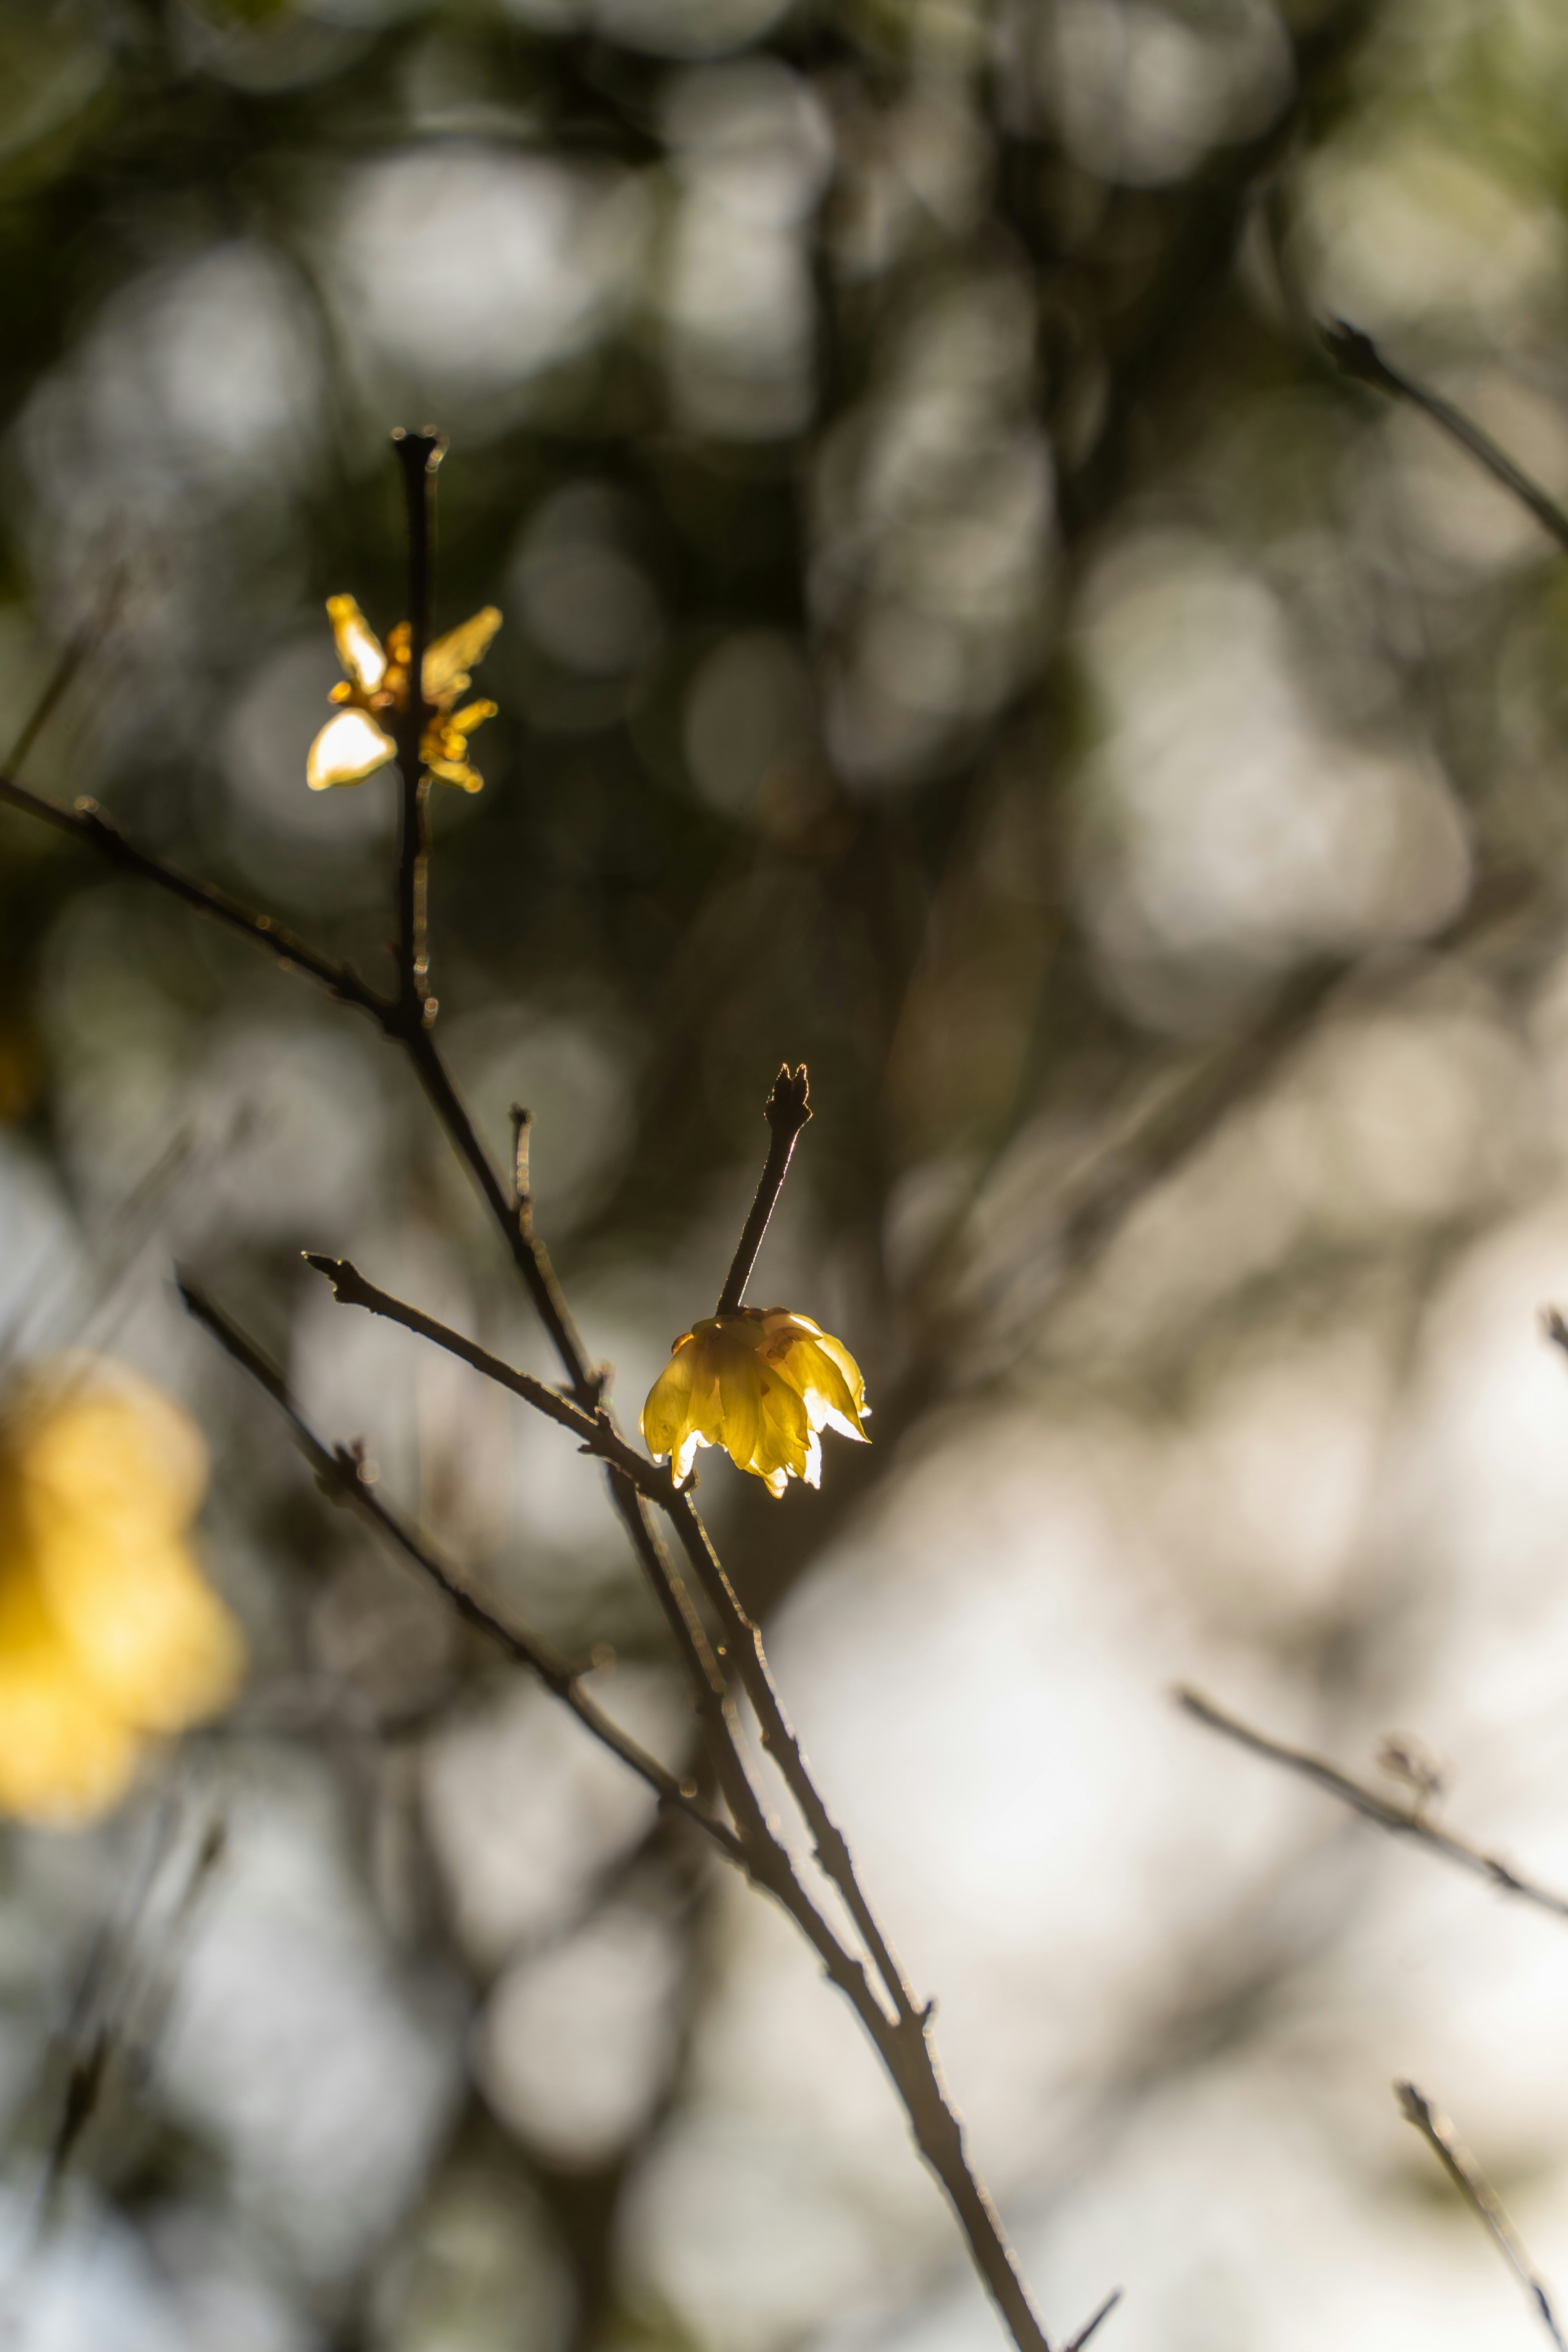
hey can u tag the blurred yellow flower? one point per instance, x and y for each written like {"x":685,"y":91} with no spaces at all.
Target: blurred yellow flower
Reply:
{"x":762,"y":1383}
{"x":109,"y":1633}
{"x":353,"y":745}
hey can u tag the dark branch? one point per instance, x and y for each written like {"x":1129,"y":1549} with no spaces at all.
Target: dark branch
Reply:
{"x":1087,"y":2329}
{"x":1479,"y":2195}
{"x":787,"y":1111}
{"x":1357,"y":356}
{"x":594,"y":1430}
{"x":418,"y":455}
{"x":1398,"y":1820}
{"x":88,"y":823}
{"x":341,"y":1475}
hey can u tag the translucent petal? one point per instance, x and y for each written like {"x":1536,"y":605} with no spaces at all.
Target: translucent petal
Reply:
{"x":848,"y":1367}
{"x":349,"y":748}
{"x":666,"y":1414}
{"x":359,"y":647}
{"x":809,"y":1368}
{"x":739,"y":1400}
{"x":450,"y":656}
{"x":784,"y":1437}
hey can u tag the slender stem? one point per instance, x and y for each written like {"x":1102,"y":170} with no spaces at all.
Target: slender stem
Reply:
{"x":787,"y":1111}
{"x":778,"y":1738}
{"x":1479,"y":2195}
{"x":1357,"y":356}
{"x":43,"y":711}
{"x":594,"y":1430}
{"x":1089,"y":2325}
{"x":528,"y":1254}
{"x":89,"y":825}
{"x":418,"y":455}
{"x":341,"y":1475}
{"x":1399,"y":1820}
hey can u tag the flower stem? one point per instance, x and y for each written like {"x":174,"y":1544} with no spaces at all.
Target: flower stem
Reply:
{"x":419,"y":454}
{"x":787,"y":1111}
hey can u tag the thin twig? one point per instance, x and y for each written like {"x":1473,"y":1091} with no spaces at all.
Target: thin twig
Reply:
{"x":85,"y":822}
{"x":341,"y":1475}
{"x":787,"y":1111}
{"x":1479,"y":2195}
{"x":1089,"y":2325}
{"x":594,"y":1430}
{"x":418,"y":455}
{"x":1398,"y":1820}
{"x":1357,"y":356}
{"x":779,"y":1738}
{"x":49,"y":701}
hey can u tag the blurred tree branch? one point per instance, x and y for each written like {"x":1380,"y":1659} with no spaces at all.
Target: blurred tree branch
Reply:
{"x":1479,"y":2195}
{"x":1357,"y":357}
{"x":1400,"y":1821}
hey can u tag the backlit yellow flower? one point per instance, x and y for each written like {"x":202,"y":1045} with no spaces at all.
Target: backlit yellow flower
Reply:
{"x":759,"y":1382}
{"x":109,"y":1633}
{"x":353,"y":745}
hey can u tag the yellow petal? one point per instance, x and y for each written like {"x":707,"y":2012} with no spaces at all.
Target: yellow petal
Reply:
{"x":739,"y":1401}
{"x":850,"y":1369}
{"x":666,"y":1414}
{"x":784,"y":1438}
{"x":810,"y":1370}
{"x":359,"y":647}
{"x":451,"y":657}
{"x":349,"y":748}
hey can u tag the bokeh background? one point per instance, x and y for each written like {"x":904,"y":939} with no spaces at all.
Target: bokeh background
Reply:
{"x":960,"y":632}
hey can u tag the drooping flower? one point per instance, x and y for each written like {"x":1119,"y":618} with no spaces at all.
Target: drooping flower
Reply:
{"x":761,"y":1383}
{"x":374,"y":689}
{"x":110,"y":1635}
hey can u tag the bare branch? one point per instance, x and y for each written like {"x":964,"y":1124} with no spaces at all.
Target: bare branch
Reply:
{"x":86,"y":823}
{"x":341,"y":1475}
{"x":418,"y":455}
{"x":1357,"y":356}
{"x":787,"y":1111}
{"x":1479,"y":2195}
{"x":901,"y":2045}
{"x":594,"y":1430}
{"x":1398,"y":1820}
{"x":1087,"y":2329}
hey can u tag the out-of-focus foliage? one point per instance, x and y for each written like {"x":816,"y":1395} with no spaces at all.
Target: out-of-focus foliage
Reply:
{"x":959,"y":633}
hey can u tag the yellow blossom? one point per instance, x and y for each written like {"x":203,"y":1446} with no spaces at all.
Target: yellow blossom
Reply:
{"x":374,"y":689}
{"x":762,"y":1383}
{"x":109,"y":1633}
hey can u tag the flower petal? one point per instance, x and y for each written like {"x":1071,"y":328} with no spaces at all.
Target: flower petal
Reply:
{"x":740,"y":1401}
{"x":666,"y":1416}
{"x":359,"y":647}
{"x":455,"y":654}
{"x":350,"y":747}
{"x":808,"y":1367}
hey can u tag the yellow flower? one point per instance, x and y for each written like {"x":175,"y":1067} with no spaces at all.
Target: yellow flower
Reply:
{"x":356,"y":743}
{"x":759,"y":1382}
{"x":108,"y":1635}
